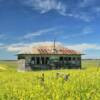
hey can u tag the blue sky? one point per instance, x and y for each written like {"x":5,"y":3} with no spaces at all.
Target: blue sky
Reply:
{"x":74,"y":23}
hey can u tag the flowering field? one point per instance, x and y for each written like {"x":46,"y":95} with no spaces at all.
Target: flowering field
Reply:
{"x":80,"y":85}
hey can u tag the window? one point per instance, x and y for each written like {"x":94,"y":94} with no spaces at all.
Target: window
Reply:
{"x":47,"y":59}
{"x":38,"y":60}
{"x":69,"y":58}
{"x":79,"y":58}
{"x":66,"y":58}
{"x":33,"y":58}
{"x":42,"y":58}
{"x":61,"y":58}
{"x":74,"y":58}
{"x":21,"y":57}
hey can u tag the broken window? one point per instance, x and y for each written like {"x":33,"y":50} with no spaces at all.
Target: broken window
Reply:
{"x":38,"y":60}
{"x":74,"y":58}
{"x":61,"y":58}
{"x":42,"y":58}
{"x":21,"y":57}
{"x":66,"y":58}
{"x":33,"y":60}
{"x":69,"y":58}
{"x":78,"y":58}
{"x":47,"y":59}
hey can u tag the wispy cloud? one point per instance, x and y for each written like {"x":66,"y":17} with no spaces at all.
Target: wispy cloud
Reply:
{"x":46,"y":5}
{"x":27,"y":36}
{"x":82,"y":9}
{"x":38,"y":33}
{"x":2,"y":36}
{"x":80,"y":15}
{"x":84,"y":32}
{"x":87,"y":3}
{"x":79,"y":9}
{"x":1,"y":44}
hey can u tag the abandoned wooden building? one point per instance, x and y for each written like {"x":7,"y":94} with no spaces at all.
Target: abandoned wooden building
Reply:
{"x":49,"y":57}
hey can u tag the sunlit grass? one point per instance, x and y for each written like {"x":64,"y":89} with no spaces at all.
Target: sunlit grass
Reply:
{"x":82,"y":84}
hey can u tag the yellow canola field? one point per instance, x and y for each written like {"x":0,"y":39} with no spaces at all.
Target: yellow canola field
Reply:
{"x":3,"y":67}
{"x":81,"y":85}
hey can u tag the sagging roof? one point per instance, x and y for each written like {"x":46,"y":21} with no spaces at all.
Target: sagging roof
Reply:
{"x":50,"y":49}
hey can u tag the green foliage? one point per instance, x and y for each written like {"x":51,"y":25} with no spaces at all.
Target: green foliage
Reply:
{"x":81,"y":85}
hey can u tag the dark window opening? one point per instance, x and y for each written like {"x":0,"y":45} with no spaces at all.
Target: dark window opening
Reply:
{"x":47,"y":59}
{"x":21,"y":57}
{"x":69,"y":58}
{"x":61,"y":58}
{"x":79,"y":58}
{"x":66,"y":58}
{"x":33,"y":58}
{"x":38,"y":60}
{"x":74,"y":58}
{"x":42,"y":58}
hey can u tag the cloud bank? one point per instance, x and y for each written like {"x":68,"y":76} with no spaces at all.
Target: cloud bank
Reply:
{"x":27,"y":47}
{"x":18,"y":47}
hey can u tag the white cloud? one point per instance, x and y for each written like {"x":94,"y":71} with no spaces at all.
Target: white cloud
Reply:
{"x":28,"y":47}
{"x":22,"y":47}
{"x":87,"y":30}
{"x":3,"y":37}
{"x":82,"y":9}
{"x":37,"y":33}
{"x":76,"y":35}
{"x":84,"y":32}
{"x":84,"y":47}
{"x":30,"y":35}
{"x":46,"y":5}
{"x":86,"y":3}
{"x":16,"y":47}
{"x":80,"y":15}
{"x":19,"y":47}
{"x":1,"y":44}
{"x":97,"y":9}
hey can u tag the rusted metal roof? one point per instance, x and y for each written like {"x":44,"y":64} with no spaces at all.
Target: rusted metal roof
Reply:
{"x":59,"y":49}
{"x":68,"y":51}
{"x":48,"y":50}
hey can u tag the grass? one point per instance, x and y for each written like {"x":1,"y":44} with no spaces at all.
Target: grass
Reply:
{"x":81,"y":85}
{"x":8,"y":65}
